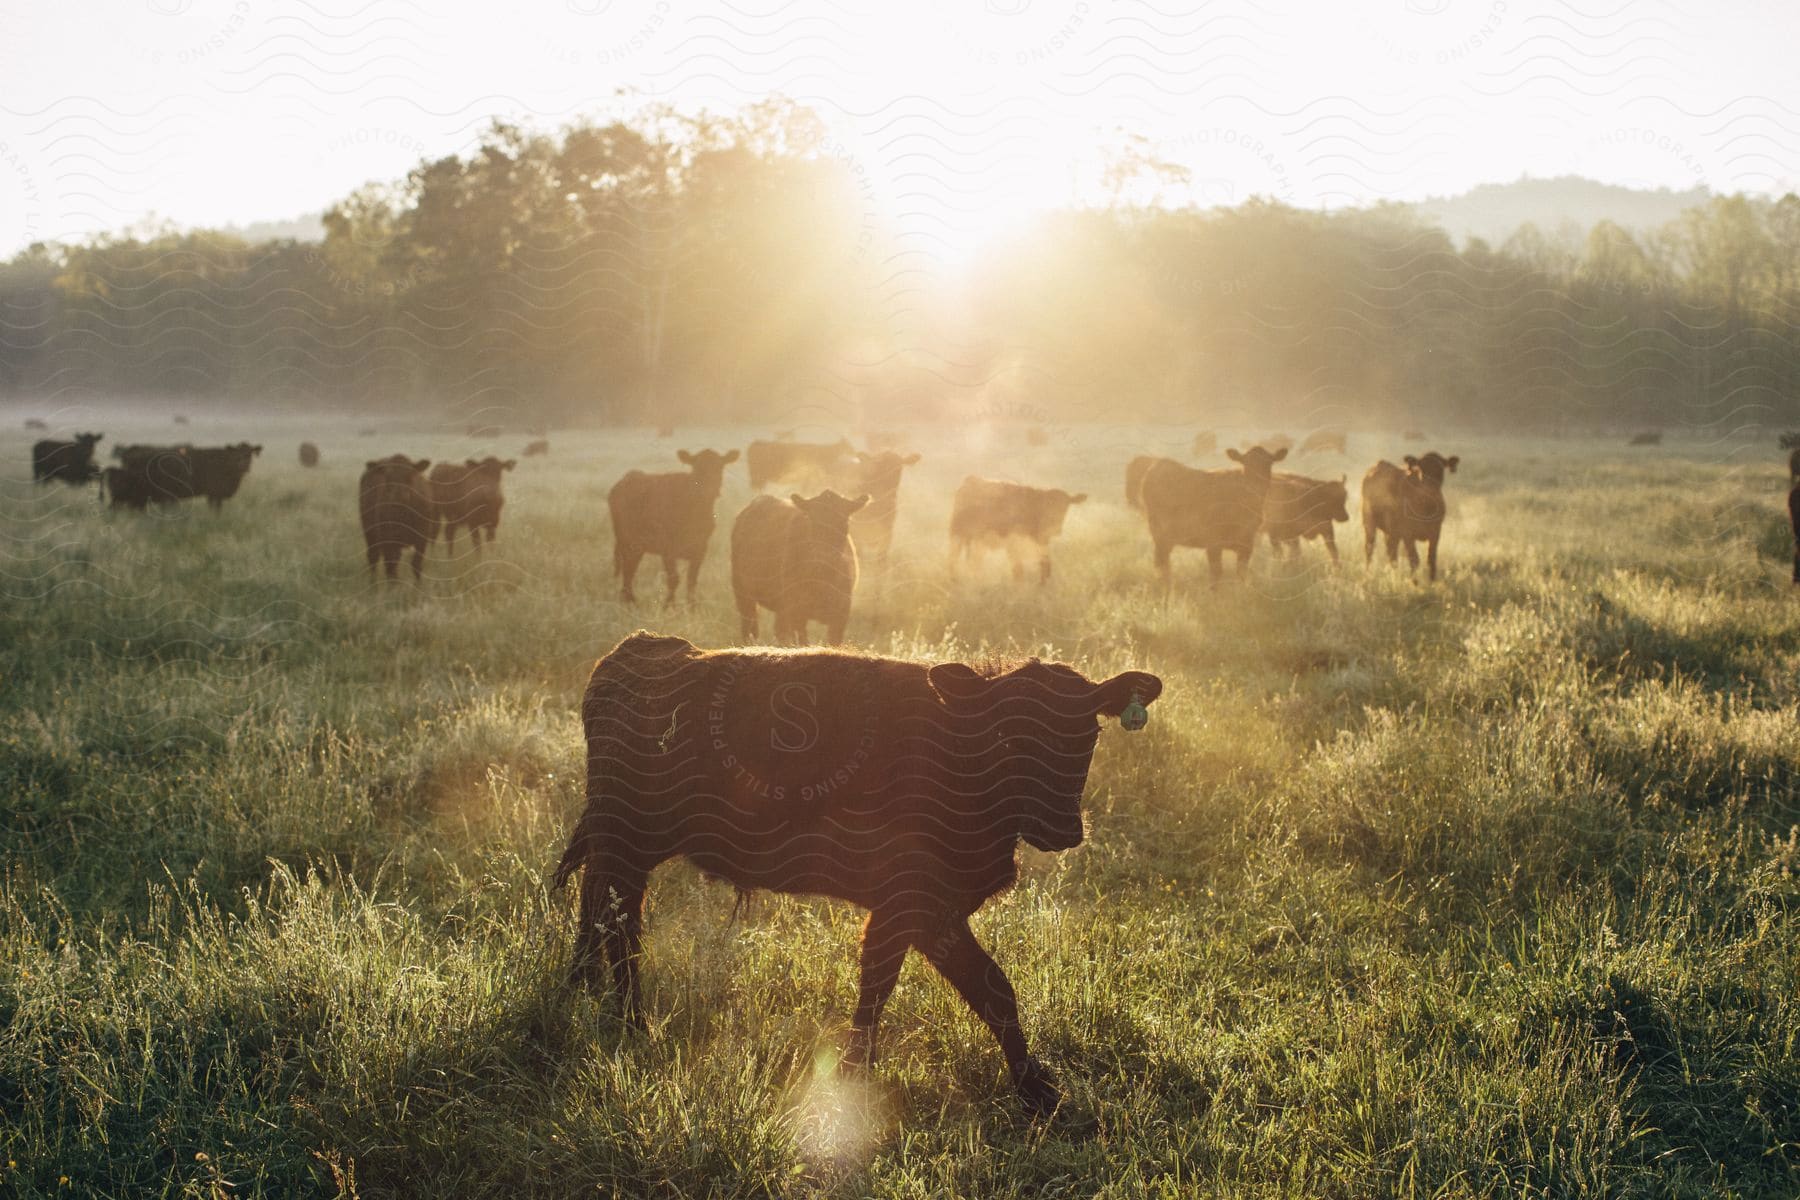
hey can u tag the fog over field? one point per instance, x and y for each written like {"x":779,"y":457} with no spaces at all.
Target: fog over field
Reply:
{"x":1078,"y":867}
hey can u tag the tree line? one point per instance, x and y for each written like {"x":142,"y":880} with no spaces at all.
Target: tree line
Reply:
{"x":673,"y":268}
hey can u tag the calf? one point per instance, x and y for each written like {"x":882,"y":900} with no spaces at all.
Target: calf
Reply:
{"x":1406,"y":506}
{"x":988,"y":514}
{"x":467,"y":495}
{"x":71,"y":462}
{"x":1213,"y":511}
{"x":153,"y":476}
{"x":897,"y":786}
{"x":1297,"y":507}
{"x":1135,"y":470}
{"x":397,"y":512}
{"x":219,"y":470}
{"x":794,"y":558}
{"x":669,"y":515}
{"x":877,"y":476}
{"x":796,"y":462}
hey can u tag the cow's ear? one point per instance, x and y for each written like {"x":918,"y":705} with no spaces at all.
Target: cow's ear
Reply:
{"x":368,"y":466}
{"x":799,"y":501}
{"x":1411,"y":460}
{"x":1078,"y":498}
{"x":1233,"y":455}
{"x":685,"y":457}
{"x":1452,"y":461}
{"x":1112,"y":697}
{"x":955,"y":681}
{"x":1278,"y":455}
{"x":909,"y":460}
{"x":730,"y":457}
{"x":509,"y":464}
{"x":421,"y":465}
{"x":256,"y":450}
{"x":858,"y":504}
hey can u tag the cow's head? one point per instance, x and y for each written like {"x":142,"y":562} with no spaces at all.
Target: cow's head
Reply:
{"x":1054,"y":510}
{"x":1337,"y":499}
{"x":1035,"y":727}
{"x":1256,"y":461}
{"x":490,"y":467}
{"x":829,"y":512}
{"x":397,"y":467}
{"x":87,"y":441}
{"x":708,"y":467}
{"x":1431,"y":467}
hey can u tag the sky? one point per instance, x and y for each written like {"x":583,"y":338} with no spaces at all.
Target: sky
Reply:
{"x":964,"y":116}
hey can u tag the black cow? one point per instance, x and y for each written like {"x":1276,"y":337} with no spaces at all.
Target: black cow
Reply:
{"x":71,"y":462}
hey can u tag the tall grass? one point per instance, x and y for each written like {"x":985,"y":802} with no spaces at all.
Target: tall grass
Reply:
{"x":1484,"y":888}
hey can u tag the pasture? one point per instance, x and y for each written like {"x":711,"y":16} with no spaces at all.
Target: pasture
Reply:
{"x":1481,"y":888}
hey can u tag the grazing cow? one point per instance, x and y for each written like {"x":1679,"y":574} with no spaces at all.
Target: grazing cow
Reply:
{"x":149,"y":475}
{"x":309,"y":454}
{"x":1325,"y":441}
{"x":1135,"y":470}
{"x":877,"y":476}
{"x":794,"y":558}
{"x":1794,"y":521}
{"x":896,"y":786}
{"x":669,"y":515}
{"x":989,"y":514}
{"x":1297,"y":507}
{"x":1406,"y":506}
{"x":1206,"y":442}
{"x":35,"y":423}
{"x":801,"y":463}
{"x":533,"y":449}
{"x":467,"y":495}
{"x":397,"y":512}
{"x":1413,"y":435}
{"x":219,"y":470}
{"x":71,"y":462}
{"x":1650,"y":437}
{"x":1213,"y":511}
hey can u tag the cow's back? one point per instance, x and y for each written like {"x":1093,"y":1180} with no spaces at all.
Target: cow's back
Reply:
{"x":987,"y":508}
{"x":1297,"y":507}
{"x":759,"y":541}
{"x":1202,"y":508}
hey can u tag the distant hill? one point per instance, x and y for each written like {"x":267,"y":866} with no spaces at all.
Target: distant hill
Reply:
{"x":1494,"y":210}
{"x":308,"y":228}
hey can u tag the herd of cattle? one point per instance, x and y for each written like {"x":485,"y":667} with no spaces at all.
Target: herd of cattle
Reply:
{"x":147,"y":474}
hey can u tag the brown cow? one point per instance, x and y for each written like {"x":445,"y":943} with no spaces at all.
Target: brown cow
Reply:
{"x":877,"y":476}
{"x":1323,"y":441}
{"x":533,"y":449}
{"x":1406,"y":506}
{"x":990,"y":514}
{"x":670,"y":515}
{"x":897,"y":786}
{"x":468,"y":495}
{"x":796,"y":462}
{"x":149,"y":476}
{"x":1297,"y":507}
{"x":1213,"y":511}
{"x":309,"y":454}
{"x":794,"y":557}
{"x":1135,"y":470}
{"x":397,"y":512}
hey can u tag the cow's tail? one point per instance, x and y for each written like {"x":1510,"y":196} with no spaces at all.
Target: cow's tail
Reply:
{"x":584,"y":839}
{"x":102,"y":478}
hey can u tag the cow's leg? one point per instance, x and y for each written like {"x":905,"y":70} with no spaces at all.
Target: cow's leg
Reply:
{"x":450,"y":538}
{"x":1797,"y":560}
{"x":374,"y":555}
{"x":629,"y":558}
{"x":1330,"y":546}
{"x":611,"y":928}
{"x":390,"y":559}
{"x":1412,"y":555}
{"x":418,"y":562}
{"x":1043,"y":565}
{"x":834,"y":626}
{"x":1162,"y":562}
{"x":671,"y":577}
{"x":1368,"y":543}
{"x":1393,"y":548}
{"x":475,"y":539}
{"x":1215,"y":562}
{"x":746,"y":617}
{"x":693,"y":577}
{"x":959,"y":958}
{"x":884,"y":946}
{"x":1243,"y":558}
{"x":1431,"y":555}
{"x":1015,"y":555}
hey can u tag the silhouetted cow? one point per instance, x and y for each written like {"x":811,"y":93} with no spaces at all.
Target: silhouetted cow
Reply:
{"x":533,"y":449}
{"x":1322,"y":441}
{"x":397,"y":512}
{"x":1297,"y":507}
{"x":71,"y":462}
{"x":670,"y":515}
{"x":35,"y":423}
{"x":989,"y":514}
{"x":878,"y":477}
{"x":220,"y":470}
{"x":899,"y":787}
{"x":467,"y":495}
{"x":1649,"y":437}
{"x":796,"y":462}
{"x":1135,"y":470}
{"x":309,"y":454}
{"x":1214,"y":511}
{"x":1406,"y":506}
{"x":794,"y":558}
{"x":149,"y":476}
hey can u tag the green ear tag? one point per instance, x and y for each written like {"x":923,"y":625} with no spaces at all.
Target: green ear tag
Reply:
{"x":1135,"y":716}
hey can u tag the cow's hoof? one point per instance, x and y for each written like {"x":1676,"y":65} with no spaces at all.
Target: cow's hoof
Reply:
{"x":1037,"y":1087}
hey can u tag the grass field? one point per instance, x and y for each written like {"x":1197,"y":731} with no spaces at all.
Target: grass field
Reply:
{"x":1485,"y":888}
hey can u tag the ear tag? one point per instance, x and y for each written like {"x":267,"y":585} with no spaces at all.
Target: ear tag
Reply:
{"x":1135,"y":716}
